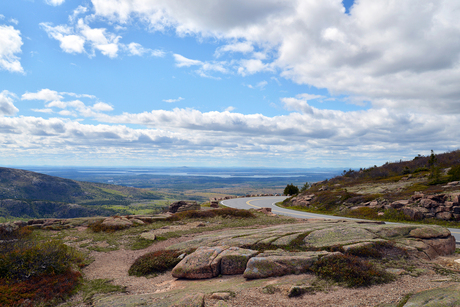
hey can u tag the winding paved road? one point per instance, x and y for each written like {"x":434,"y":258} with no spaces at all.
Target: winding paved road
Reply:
{"x":269,"y":202}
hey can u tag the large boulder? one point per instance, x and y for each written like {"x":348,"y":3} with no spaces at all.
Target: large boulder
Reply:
{"x":415,"y":213}
{"x":117,"y":223}
{"x":233,"y":260}
{"x":208,"y":262}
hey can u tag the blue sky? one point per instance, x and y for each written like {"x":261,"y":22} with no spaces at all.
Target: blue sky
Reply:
{"x":217,"y":83}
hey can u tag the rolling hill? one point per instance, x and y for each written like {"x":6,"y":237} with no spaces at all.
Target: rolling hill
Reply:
{"x":34,"y":195}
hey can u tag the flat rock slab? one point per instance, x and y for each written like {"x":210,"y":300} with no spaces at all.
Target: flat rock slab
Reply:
{"x":208,"y":262}
{"x":338,"y":236}
{"x":440,"y":297}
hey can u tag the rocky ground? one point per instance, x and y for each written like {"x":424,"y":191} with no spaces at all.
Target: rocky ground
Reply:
{"x":430,"y":263}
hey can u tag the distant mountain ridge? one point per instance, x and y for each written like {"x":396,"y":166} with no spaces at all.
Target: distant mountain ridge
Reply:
{"x":21,"y":184}
{"x":34,"y":195}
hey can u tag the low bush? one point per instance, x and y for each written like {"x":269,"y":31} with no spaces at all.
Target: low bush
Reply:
{"x":35,"y":273}
{"x":38,"y":290}
{"x":30,"y":259}
{"x":351,"y":271}
{"x":154,"y":263}
{"x":223,"y":212}
{"x":454,"y":173}
{"x":364,"y":213}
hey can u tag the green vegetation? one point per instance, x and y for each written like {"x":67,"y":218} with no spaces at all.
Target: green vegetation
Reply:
{"x":454,"y":173}
{"x":351,"y":193}
{"x":155,"y":263}
{"x":89,"y":288}
{"x":350,"y":271}
{"x":33,"y":272}
{"x":305,"y":187}
{"x":222,"y":212}
{"x":291,"y":189}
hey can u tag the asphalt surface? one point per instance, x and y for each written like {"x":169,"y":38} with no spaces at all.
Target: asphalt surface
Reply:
{"x":270,"y":201}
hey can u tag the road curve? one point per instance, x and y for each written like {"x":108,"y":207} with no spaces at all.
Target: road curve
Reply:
{"x":270,"y":201}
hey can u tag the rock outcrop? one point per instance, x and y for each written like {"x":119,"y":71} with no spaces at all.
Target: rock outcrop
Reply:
{"x":445,"y":297}
{"x":418,"y":206}
{"x":180,"y":206}
{"x":227,"y":252}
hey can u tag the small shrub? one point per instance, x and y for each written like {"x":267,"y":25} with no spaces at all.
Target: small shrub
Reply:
{"x":351,"y":271}
{"x":454,"y":173}
{"x":35,"y":273}
{"x":154,"y":263}
{"x":291,"y":189}
{"x":38,"y":290}
{"x":363,"y":212}
{"x":230,"y":212}
{"x":30,"y":259}
{"x":223,"y":212}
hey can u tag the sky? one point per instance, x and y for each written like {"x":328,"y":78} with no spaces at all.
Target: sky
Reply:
{"x":266,"y":83}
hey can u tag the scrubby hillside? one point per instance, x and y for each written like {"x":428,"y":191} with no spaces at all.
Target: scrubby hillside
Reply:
{"x":424,"y":189}
{"x":34,"y":195}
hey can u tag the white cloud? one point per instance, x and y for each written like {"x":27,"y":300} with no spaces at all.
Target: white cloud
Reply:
{"x":78,"y":11}
{"x":252,"y":66}
{"x":397,"y":55}
{"x":69,"y":42}
{"x":243,"y":47}
{"x":79,"y":37}
{"x":229,"y":109}
{"x":54,"y":99}
{"x":320,"y":134}
{"x":54,"y":2}
{"x":262,"y":84}
{"x":67,"y":113}
{"x":204,"y":67}
{"x":56,"y":104}
{"x":15,"y":21}
{"x":44,"y":94}
{"x":48,"y":111}
{"x":6,"y":104}
{"x":102,"y":107}
{"x":173,"y":100}
{"x":137,"y":49}
{"x":10,"y":46}
{"x":182,"y":61}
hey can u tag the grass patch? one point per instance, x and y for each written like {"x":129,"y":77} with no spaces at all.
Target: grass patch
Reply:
{"x":141,"y":243}
{"x":90,"y":288}
{"x":154,"y":263}
{"x":350,"y":271}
